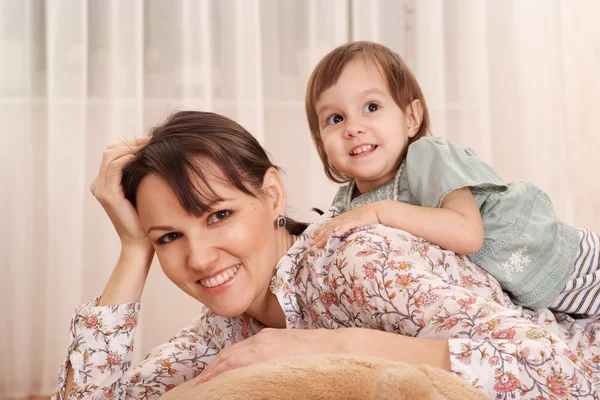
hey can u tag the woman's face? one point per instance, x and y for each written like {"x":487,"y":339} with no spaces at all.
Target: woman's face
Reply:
{"x":226,"y":257}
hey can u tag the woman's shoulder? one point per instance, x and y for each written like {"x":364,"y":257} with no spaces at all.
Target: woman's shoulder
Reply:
{"x":212,"y":328}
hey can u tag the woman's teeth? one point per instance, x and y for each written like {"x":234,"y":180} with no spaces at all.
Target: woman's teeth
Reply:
{"x":221,"y":278}
{"x":362,"y":149}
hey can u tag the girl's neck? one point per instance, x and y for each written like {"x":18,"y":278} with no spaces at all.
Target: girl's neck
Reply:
{"x":362,"y":187}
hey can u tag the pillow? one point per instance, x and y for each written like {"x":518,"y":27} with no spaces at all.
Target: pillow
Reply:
{"x":330,"y":377}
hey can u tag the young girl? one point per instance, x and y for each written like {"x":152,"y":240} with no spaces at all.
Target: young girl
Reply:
{"x":369,"y":121}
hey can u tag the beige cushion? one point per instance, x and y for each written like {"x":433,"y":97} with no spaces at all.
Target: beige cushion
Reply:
{"x":330,"y":377}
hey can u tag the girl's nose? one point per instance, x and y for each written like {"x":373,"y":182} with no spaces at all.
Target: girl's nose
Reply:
{"x":354,"y":128}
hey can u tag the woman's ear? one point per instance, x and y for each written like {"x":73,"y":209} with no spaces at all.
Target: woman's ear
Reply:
{"x":274,"y":188}
{"x":414,"y":117}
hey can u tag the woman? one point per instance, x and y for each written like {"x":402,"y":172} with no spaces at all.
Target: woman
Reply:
{"x":203,"y":195}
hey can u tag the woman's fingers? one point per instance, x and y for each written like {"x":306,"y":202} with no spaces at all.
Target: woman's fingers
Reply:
{"x":109,"y":156}
{"x":115,"y":171}
{"x":129,"y":143}
{"x":240,"y":360}
{"x":270,"y":344}
{"x":229,"y":358}
{"x":107,"y":189}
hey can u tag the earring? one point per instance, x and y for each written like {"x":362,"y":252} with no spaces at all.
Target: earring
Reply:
{"x":280,"y":222}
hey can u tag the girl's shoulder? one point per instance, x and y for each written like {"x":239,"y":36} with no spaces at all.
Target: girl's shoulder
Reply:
{"x":439,"y":146}
{"x":437,"y":166}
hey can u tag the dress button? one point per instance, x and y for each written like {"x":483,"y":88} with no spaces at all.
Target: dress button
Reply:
{"x":293,"y":318}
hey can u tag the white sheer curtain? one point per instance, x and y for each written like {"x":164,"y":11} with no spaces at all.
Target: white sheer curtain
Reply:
{"x":517,"y":81}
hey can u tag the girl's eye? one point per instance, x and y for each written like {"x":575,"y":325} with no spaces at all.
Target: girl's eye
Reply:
{"x":334,"y":119}
{"x":371,"y":107}
{"x":218,"y":216}
{"x":169,"y":237}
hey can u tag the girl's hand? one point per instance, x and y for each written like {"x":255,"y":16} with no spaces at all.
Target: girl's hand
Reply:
{"x":106,"y":187}
{"x":340,"y":225}
{"x":270,"y":344}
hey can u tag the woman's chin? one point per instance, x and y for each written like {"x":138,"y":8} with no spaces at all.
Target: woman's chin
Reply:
{"x":226,"y":311}
{"x":227,"y":305}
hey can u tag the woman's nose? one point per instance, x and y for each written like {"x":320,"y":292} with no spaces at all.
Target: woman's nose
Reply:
{"x":203,"y":255}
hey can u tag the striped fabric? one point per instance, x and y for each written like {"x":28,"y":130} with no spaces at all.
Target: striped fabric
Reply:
{"x":581,"y":295}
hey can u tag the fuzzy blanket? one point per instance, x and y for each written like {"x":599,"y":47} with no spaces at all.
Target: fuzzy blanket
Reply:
{"x":330,"y":377}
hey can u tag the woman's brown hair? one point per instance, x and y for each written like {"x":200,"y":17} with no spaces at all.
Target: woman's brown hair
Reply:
{"x":401,"y":82}
{"x":177,"y":150}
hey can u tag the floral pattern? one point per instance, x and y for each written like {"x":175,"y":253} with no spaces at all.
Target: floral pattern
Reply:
{"x":375,"y":277}
{"x":515,"y":264}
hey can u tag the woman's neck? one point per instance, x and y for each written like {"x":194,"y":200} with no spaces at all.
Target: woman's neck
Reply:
{"x":270,"y":313}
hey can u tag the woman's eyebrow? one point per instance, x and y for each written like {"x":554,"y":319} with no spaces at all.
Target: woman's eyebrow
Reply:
{"x":210,"y":207}
{"x":160,"y":228}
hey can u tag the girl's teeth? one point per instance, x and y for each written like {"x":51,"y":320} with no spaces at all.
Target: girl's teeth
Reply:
{"x":362,"y":149}
{"x":221,"y":278}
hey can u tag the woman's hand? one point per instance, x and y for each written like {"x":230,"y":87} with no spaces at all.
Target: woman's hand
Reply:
{"x":340,"y":225}
{"x":270,"y":344}
{"x":107,"y":189}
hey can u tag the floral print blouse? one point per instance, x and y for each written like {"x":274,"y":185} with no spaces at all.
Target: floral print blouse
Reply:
{"x":377,"y":278}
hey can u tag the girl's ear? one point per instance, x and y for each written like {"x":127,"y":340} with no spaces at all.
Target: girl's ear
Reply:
{"x":274,"y":188}
{"x":414,"y":117}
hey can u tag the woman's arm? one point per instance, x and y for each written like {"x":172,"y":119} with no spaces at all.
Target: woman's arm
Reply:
{"x":419,"y":304}
{"x":455,"y":226}
{"x":388,"y":280}
{"x":128,"y":278}
{"x":271,"y":344}
{"x":102,"y":348}
{"x":391,"y":346}
{"x":124,"y":286}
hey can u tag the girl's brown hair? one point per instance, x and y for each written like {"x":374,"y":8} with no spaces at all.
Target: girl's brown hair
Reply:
{"x":180,"y":145}
{"x":402,"y":85}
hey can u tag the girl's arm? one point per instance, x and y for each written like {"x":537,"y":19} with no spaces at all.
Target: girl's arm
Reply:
{"x":455,"y":226}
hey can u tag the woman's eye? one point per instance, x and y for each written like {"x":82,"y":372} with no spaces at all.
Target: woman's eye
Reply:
{"x":169,"y":237}
{"x":218,"y":216}
{"x":371,"y":107}
{"x":334,"y":119}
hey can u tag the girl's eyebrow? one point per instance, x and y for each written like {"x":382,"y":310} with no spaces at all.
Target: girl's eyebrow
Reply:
{"x":323,"y":108}
{"x":364,"y":93}
{"x":372,"y":91}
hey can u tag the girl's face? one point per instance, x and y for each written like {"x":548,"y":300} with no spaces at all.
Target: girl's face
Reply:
{"x":365,"y":134}
{"x":226,"y":257}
